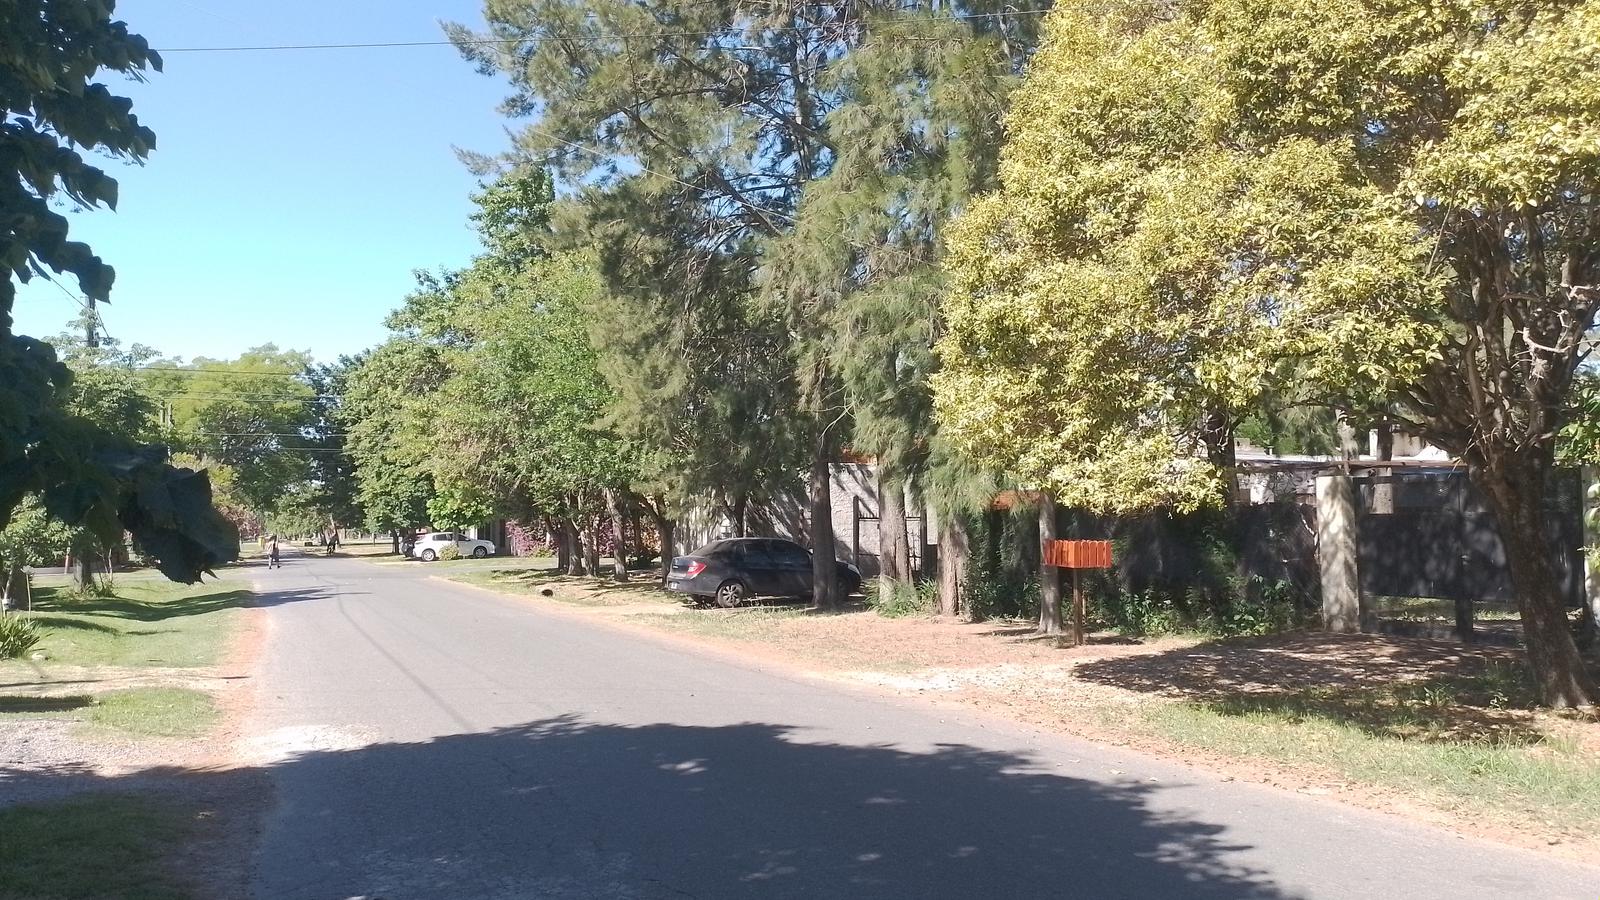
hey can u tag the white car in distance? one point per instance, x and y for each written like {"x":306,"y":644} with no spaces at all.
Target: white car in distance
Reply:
{"x":428,"y":547}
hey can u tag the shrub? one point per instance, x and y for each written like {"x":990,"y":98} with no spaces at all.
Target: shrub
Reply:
{"x":18,"y":635}
{"x":1135,"y":613}
{"x":919,"y":599}
{"x":449,"y":551}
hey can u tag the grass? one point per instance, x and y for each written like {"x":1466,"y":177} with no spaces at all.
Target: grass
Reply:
{"x":751,"y":624}
{"x":166,"y":712}
{"x":534,"y":578}
{"x":1463,"y":743}
{"x":154,"y":712}
{"x":92,"y":847}
{"x":145,"y":622}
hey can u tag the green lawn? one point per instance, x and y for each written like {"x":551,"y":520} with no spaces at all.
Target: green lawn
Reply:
{"x":100,"y":846}
{"x":1471,"y":744}
{"x":533,"y":577}
{"x":153,"y":712}
{"x":145,"y":622}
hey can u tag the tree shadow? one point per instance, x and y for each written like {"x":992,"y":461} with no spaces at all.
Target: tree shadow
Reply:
{"x":296,"y":595}
{"x":565,"y":807}
{"x":33,"y":704}
{"x":1434,"y":691}
{"x":133,"y":610}
{"x":63,"y":622}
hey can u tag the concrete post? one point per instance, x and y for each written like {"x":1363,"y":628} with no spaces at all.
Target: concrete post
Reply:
{"x":1591,"y":550}
{"x":1336,"y":553}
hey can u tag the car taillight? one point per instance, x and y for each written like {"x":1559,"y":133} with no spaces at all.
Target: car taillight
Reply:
{"x":695,"y":568}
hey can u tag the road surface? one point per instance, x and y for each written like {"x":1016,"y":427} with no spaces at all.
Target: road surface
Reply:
{"x":429,"y":741}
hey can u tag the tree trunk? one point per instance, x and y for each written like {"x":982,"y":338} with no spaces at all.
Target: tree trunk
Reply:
{"x":1049,"y":576}
{"x":573,"y":548}
{"x":1515,"y":491}
{"x":894,"y":549}
{"x":83,"y":570}
{"x":619,"y":566}
{"x":824,"y":578}
{"x":394,"y":541}
{"x":590,"y":543}
{"x":954,"y":550}
{"x":666,"y":528}
{"x":741,"y":514}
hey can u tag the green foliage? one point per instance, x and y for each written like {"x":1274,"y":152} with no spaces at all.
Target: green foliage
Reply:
{"x":18,"y":635}
{"x":85,"y":472}
{"x":52,"y":110}
{"x":449,"y":551}
{"x":901,"y":600}
{"x":1139,"y":278}
{"x":457,"y":507}
{"x":1134,"y":613}
{"x":249,"y":418}
{"x":384,"y":408}
{"x":32,"y":538}
{"x":1000,"y":582}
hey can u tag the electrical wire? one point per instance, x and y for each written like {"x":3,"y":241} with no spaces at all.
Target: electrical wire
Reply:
{"x":485,"y":42}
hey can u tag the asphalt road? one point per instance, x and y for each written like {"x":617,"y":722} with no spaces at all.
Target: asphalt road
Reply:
{"x":427,"y":741}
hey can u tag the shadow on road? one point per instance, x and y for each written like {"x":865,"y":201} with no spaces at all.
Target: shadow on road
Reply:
{"x":570,"y":808}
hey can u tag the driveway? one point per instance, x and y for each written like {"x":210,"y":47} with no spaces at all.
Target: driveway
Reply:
{"x":430,"y":741}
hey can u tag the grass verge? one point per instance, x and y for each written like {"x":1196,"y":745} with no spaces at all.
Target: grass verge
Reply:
{"x":145,"y":622}
{"x":534,"y":578}
{"x":92,"y":847}
{"x":154,"y":712}
{"x":1471,"y":745}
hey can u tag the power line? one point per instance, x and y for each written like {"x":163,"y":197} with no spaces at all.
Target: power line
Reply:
{"x":88,"y":307}
{"x":221,"y":372}
{"x":485,"y":42}
{"x":228,"y":396}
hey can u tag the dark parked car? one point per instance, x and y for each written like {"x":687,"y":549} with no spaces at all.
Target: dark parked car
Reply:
{"x":733,"y":570}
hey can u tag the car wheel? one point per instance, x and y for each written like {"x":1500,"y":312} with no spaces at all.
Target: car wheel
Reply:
{"x":479,"y":552}
{"x":731,"y":594}
{"x":429,"y":556}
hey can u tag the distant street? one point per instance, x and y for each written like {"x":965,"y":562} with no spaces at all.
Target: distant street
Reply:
{"x":428,"y":741}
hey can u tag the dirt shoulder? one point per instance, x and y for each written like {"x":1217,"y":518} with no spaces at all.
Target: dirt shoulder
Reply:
{"x":184,"y":798}
{"x":1430,"y":730}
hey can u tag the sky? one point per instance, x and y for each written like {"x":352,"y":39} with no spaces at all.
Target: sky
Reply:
{"x":292,"y":193}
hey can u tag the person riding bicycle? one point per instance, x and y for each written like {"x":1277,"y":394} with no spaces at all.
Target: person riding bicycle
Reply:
{"x":272,"y":552}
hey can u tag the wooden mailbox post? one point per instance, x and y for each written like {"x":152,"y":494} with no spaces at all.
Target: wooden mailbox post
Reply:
{"x":1077,"y":556}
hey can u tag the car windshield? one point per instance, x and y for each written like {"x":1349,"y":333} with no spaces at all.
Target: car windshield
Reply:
{"x":711,"y":548}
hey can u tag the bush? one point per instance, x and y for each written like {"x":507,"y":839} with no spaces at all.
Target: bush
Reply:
{"x":449,"y":551}
{"x":918,"y":599}
{"x":1135,"y":614}
{"x":18,"y":635}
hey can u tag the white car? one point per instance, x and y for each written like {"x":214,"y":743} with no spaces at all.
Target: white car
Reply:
{"x":429,"y":546}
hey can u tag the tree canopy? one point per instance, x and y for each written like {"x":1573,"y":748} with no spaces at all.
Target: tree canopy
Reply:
{"x":1397,"y":199}
{"x":51,"y":113}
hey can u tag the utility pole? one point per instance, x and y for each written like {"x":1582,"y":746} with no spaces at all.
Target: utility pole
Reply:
{"x":91,"y":335}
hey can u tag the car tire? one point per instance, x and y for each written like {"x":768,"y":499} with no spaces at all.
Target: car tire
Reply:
{"x":480,"y":552}
{"x":429,"y":556}
{"x":731,"y":593}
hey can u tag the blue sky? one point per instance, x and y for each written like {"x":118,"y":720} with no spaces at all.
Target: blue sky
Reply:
{"x":291,"y":193}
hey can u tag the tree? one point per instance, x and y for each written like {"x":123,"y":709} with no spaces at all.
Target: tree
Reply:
{"x":31,"y":538}
{"x":50,"y":51}
{"x":1398,"y":198}
{"x":917,"y":132}
{"x":254,"y":416}
{"x":700,"y":124}
{"x":331,"y":468}
{"x":387,"y":433}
